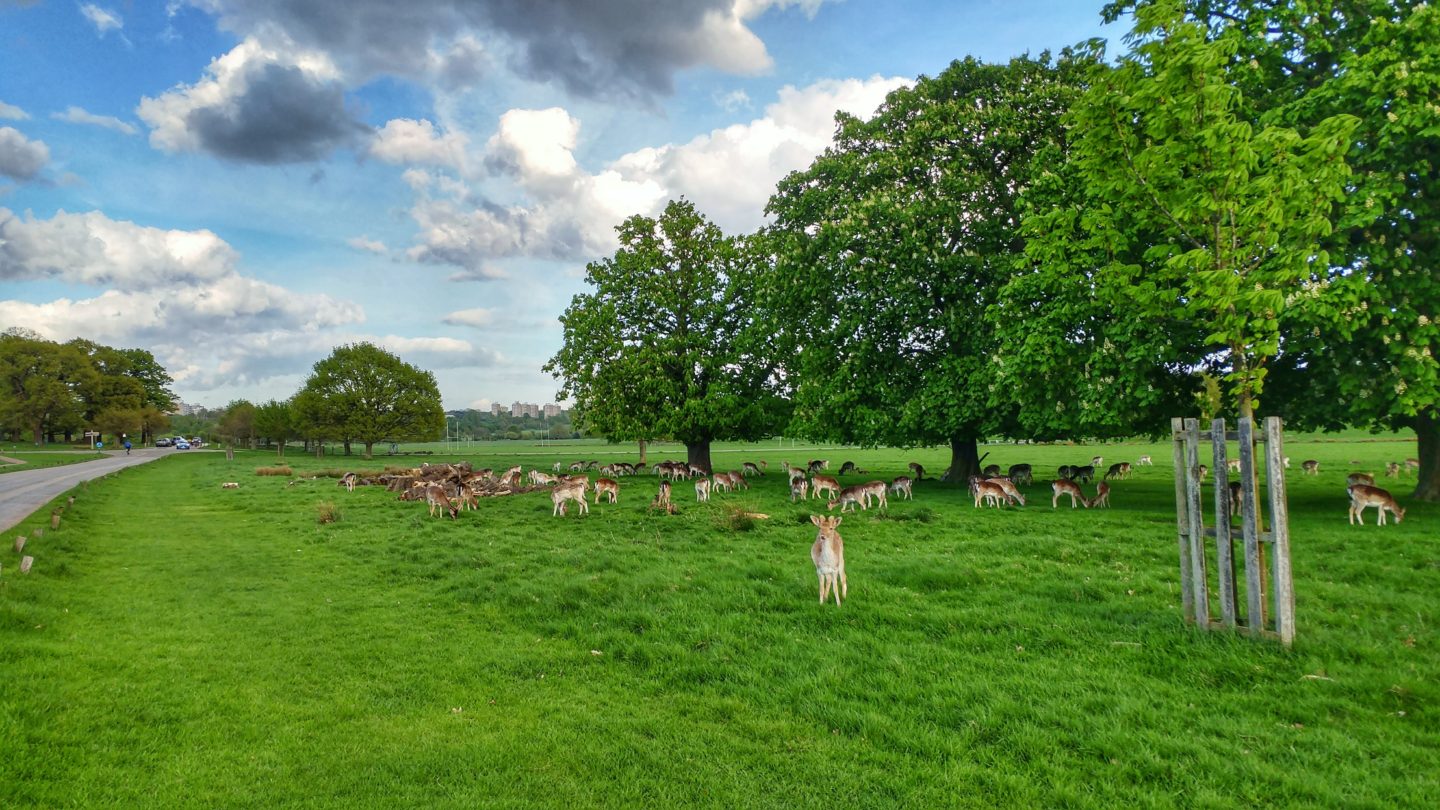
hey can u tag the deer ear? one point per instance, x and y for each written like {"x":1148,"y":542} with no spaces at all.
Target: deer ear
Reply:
{"x":818,"y":521}
{"x":836,"y":522}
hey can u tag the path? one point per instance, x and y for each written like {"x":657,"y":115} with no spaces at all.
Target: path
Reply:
{"x":24,"y":491}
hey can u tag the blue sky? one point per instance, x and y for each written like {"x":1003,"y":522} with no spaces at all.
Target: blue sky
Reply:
{"x":241,"y":185}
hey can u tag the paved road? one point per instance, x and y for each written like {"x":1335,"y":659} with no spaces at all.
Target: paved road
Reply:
{"x":24,"y":491}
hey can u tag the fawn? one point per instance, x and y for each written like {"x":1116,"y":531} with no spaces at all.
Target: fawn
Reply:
{"x":901,"y":486}
{"x":609,"y":487}
{"x":828,"y":553}
{"x":1102,"y":496}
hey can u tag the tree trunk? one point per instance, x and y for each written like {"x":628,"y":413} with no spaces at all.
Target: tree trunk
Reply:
{"x":698,"y":455}
{"x":39,"y":434}
{"x":369,"y":448}
{"x":1427,"y":434}
{"x":643,"y":444}
{"x":280,"y":448}
{"x":964,"y":460}
{"x":347,"y":447}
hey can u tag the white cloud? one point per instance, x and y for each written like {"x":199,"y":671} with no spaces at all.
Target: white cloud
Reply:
{"x":536,"y":146}
{"x":12,"y":112}
{"x":368,"y":245}
{"x":77,"y":115}
{"x":733,"y":101}
{"x":407,"y":141}
{"x":104,"y":20}
{"x":478,"y":317}
{"x":20,"y":157}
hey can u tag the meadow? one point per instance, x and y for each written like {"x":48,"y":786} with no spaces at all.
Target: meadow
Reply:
{"x":38,"y":459}
{"x":182,"y":645}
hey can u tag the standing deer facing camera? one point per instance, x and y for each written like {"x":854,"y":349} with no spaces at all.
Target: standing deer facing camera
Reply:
{"x":828,"y":554}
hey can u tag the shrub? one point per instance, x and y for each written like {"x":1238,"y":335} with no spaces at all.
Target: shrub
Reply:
{"x":736,"y":520}
{"x":282,"y":470}
{"x":327,"y":512}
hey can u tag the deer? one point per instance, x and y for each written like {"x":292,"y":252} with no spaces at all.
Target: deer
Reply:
{"x":990,"y":471}
{"x":607,"y":486}
{"x":1286,"y":462}
{"x":1097,"y":461}
{"x":1021,"y":474}
{"x":993,"y":494}
{"x":876,"y":490}
{"x":662,"y":498}
{"x":901,"y":486}
{"x":816,"y":465}
{"x":538,"y":478}
{"x":348,"y":481}
{"x":1066,"y":471}
{"x":435,"y":498}
{"x":849,"y":496}
{"x":1237,"y":496}
{"x":1232,"y":464}
{"x":1011,"y":493}
{"x":1085,"y":473}
{"x":1064,"y":486}
{"x":1203,"y":471}
{"x":1102,"y":497}
{"x":737,"y":481}
{"x":555,"y":467}
{"x":570,"y":490}
{"x":823,"y":483}
{"x":1310,"y":467}
{"x":702,"y":489}
{"x":1144,"y":461}
{"x":799,"y":487}
{"x":1392,"y":469}
{"x":917,"y":470}
{"x":1120,"y":470}
{"x":1359,"y":478}
{"x":828,"y":554}
{"x":1412,"y":464}
{"x":697,"y":470}
{"x":796,"y":474}
{"x":749,"y":468}
{"x":1363,"y":497}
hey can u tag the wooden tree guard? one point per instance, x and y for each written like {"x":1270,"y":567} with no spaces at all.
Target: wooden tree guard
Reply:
{"x":1195,"y":594}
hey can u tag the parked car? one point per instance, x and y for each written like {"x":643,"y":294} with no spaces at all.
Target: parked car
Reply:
{"x":162,"y":442}
{"x":182,"y":445}
{"x":195,"y":442}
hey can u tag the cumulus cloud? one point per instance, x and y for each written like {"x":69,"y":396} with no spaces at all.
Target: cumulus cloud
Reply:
{"x":407,"y":141}
{"x":91,"y":248}
{"x":478,"y":318}
{"x":626,"y":49}
{"x":256,"y":104}
{"x":20,"y":157}
{"x":104,"y":20}
{"x":368,"y":245}
{"x":78,"y":115}
{"x":12,"y":112}
{"x":569,"y":213}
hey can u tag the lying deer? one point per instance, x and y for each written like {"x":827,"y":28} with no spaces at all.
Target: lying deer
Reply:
{"x":1363,"y":497}
{"x":828,"y":554}
{"x":1065,"y":486}
{"x":569,"y":491}
{"x":901,"y":486}
{"x":609,"y":487}
{"x":1359,"y":478}
{"x":1102,"y":497}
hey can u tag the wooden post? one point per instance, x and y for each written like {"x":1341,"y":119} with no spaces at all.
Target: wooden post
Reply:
{"x":20,"y":544}
{"x":1182,"y":520}
{"x":55,"y":519}
{"x":1279,"y":531}
{"x":1194,"y":507}
{"x":1250,"y":525}
{"x":25,"y":563}
{"x":1224,"y":548}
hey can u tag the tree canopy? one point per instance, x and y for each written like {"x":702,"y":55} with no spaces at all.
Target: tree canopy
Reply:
{"x":668,"y":344}
{"x":363,"y":393}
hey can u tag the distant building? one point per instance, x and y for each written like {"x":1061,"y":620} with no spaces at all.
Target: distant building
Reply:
{"x":552,"y":410}
{"x":496,"y":409}
{"x":529,"y":409}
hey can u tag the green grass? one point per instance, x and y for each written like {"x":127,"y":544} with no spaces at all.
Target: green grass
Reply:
{"x":179,"y":644}
{"x":37,"y":460}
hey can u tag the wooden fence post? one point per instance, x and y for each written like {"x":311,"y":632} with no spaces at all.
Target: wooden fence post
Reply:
{"x":1224,"y":548}
{"x":1193,"y":501}
{"x":1279,"y":531}
{"x":1182,"y":520}
{"x":1250,"y":523}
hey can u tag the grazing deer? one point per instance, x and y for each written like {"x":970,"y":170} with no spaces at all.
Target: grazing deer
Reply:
{"x":1066,"y":471}
{"x":1021,"y":474}
{"x":1102,"y":497}
{"x":1065,"y":486}
{"x":901,"y":486}
{"x":1011,"y":493}
{"x":435,"y":498}
{"x":876,"y":490}
{"x":555,"y":467}
{"x":348,"y":481}
{"x":1096,"y":461}
{"x":1085,"y":473}
{"x":1144,"y":461}
{"x":1412,"y":464}
{"x":828,"y":554}
{"x":849,"y":496}
{"x":571,"y":490}
{"x":702,"y":489}
{"x":720,"y":482}
{"x":796,"y":474}
{"x":799,"y":487}
{"x":511,"y":477}
{"x":1392,"y":469}
{"x":824,"y":483}
{"x":1362,"y":497}
{"x":992,"y":494}
{"x":696,"y":470}
{"x":737,"y":481}
{"x":917,"y":471}
{"x":849,"y":467}
{"x":749,"y":468}
{"x":607,"y":486}
{"x":1310,"y":467}
{"x":1120,"y":470}
{"x":1359,"y":478}
{"x":467,"y":498}
{"x":817,"y":465}
{"x":990,"y":471}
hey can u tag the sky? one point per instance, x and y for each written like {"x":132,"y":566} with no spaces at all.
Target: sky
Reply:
{"x":239,"y":186}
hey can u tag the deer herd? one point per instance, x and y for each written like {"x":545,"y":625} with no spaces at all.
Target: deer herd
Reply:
{"x":448,"y":489}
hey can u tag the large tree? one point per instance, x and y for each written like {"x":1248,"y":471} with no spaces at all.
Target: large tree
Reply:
{"x":367,"y":394}
{"x":276,"y":420}
{"x":40,"y":383}
{"x":892,"y":247}
{"x":1361,"y":341}
{"x":668,"y":345}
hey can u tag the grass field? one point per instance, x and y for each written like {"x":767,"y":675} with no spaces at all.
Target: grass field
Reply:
{"x":182,"y":645}
{"x":36,"y":460}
